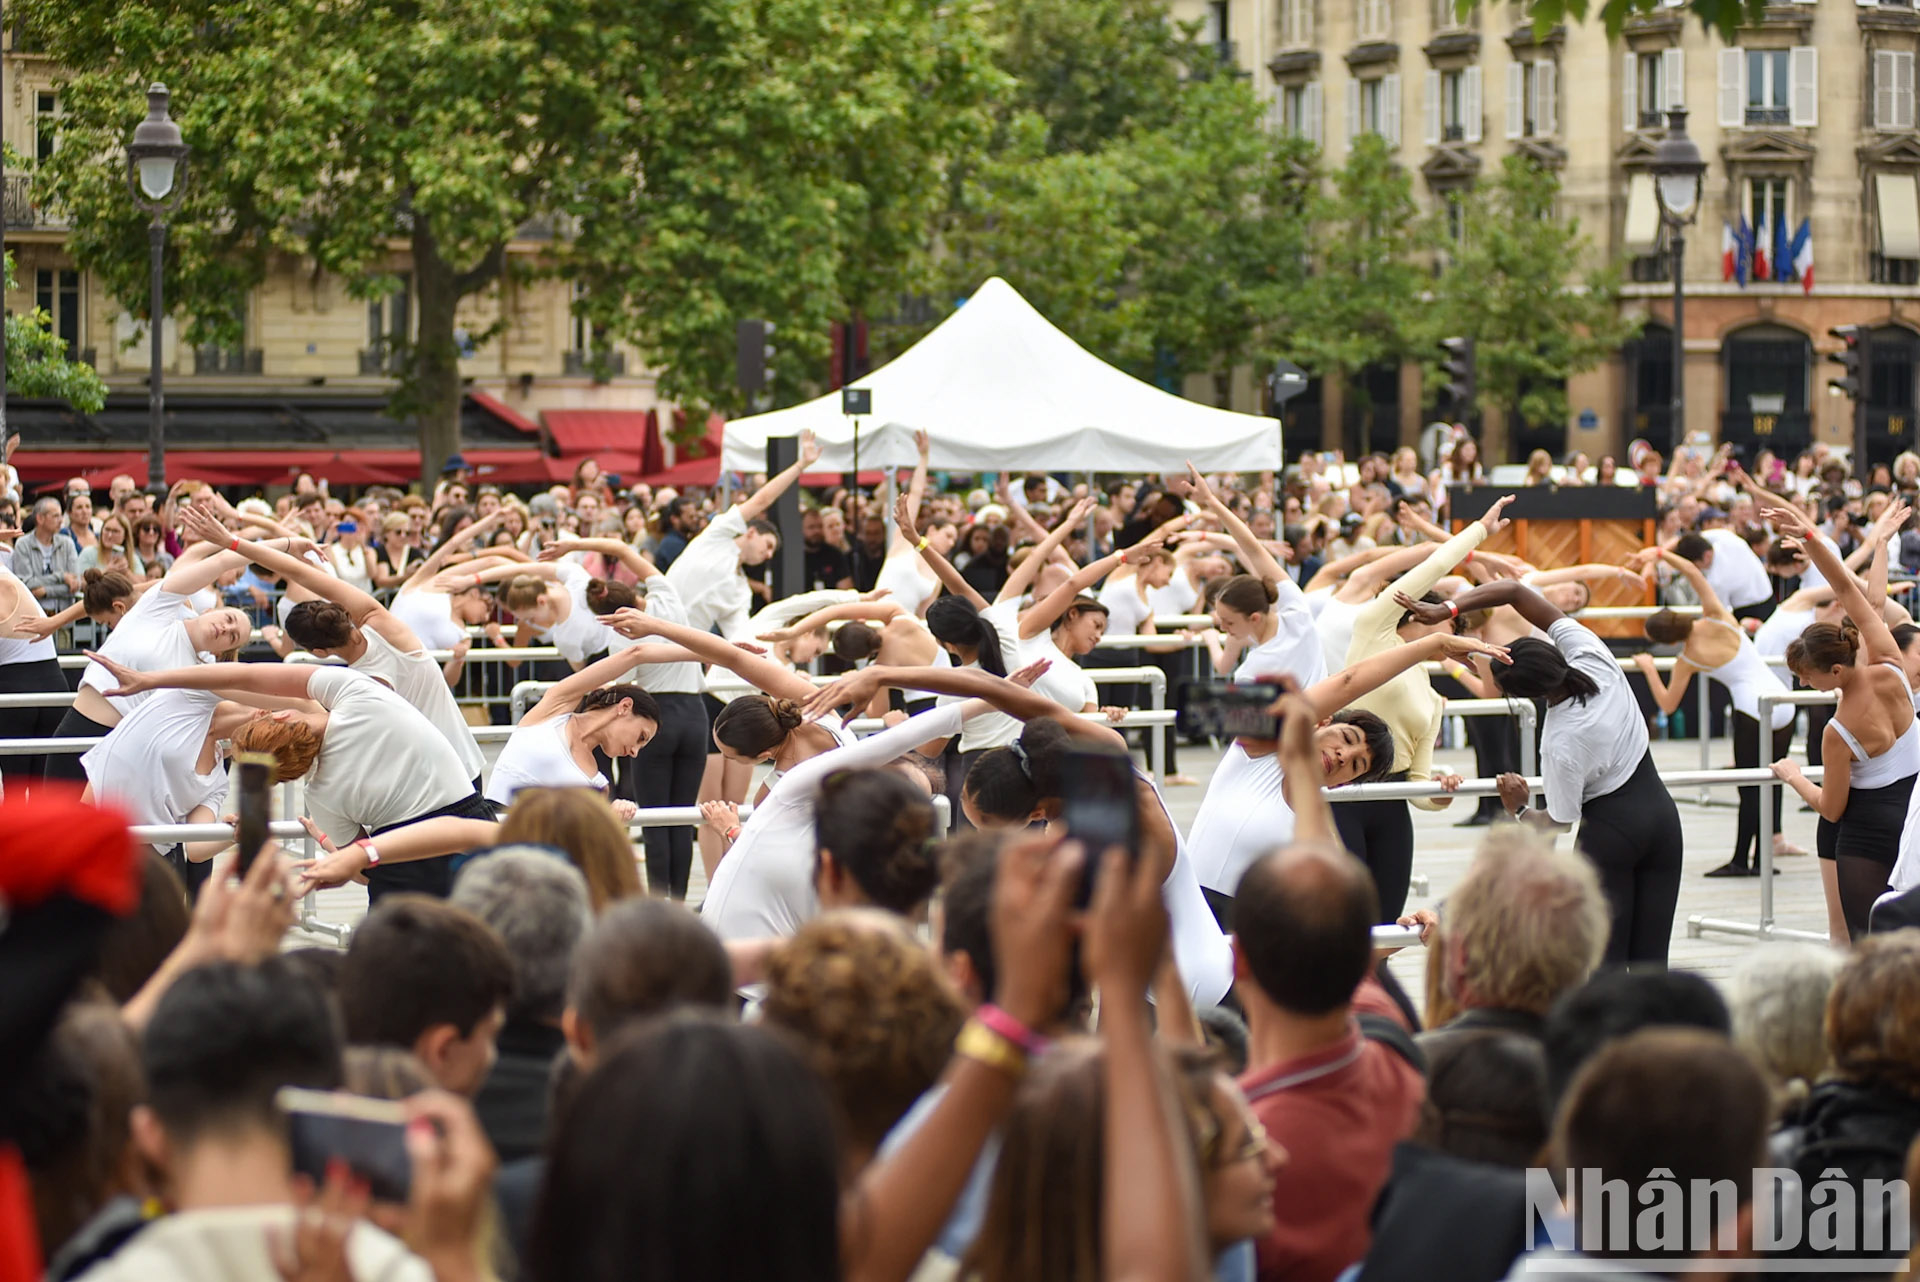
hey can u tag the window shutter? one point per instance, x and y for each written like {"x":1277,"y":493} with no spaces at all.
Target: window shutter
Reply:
{"x":1310,"y":113}
{"x":1803,"y":77}
{"x":1353,"y":111}
{"x":1516,"y":92}
{"x":1733,"y":93}
{"x":1867,"y":4}
{"x":1903,"y":90}
{"x":1390,"y":107}
{"x":1545,"y":125}
{"x":1433,"y":108}
{"x":1470,"y":103}
{"x":1630,"y":91}
{"x":1882,"y":89}
{"x":1673,"y":78}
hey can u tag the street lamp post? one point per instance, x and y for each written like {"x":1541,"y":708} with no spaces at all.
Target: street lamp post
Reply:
{"x":156,"y":173}
{"x":1678,"y":169}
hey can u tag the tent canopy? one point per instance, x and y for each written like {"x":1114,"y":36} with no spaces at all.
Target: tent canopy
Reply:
{"x":997,"y":387}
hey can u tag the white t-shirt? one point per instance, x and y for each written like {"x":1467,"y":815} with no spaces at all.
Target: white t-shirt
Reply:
{"x":1295,"y":647}
{"x":1126,"y":612}
{"x":994,"y":729}
{"x":663,"y":602}
{"x":1589,"y":749}
{"x":382,"y":763}
{"x":23,"y":651}
{"x":580,"y":635}
{"x":764,"y":886}
{"x":708,"y":578}
{"x":1065,"y":682}
{"x":145,"y":765}
{"x":1243,"y":815}
{"x":418,"y":680}
{"x":537,"y":756}
{"x":430,"y":615}
{"x":1737,"y":576}
{"x":150,"y":637}
{"x":1178,"y":597}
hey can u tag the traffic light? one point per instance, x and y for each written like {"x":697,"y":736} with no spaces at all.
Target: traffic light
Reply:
{"x":1851,"y":358}
{"x":753,"y":355}
{"x":1457,"y":392}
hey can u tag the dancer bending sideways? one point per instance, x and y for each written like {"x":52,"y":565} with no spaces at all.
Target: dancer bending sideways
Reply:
{"x":1596,"y":763}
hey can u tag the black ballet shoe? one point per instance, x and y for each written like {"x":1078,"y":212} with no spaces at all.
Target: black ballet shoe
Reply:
{"x":1732,"y":869}
{"x":1755,"y":871}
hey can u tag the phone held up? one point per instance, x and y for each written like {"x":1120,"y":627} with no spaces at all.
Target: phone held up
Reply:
{"x":1225,"y":710}
{"x":368,"y":1135}
{"x":1099,"y":808}
{"x":255,"y":770}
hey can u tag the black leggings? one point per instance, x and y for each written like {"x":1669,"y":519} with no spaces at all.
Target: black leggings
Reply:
{"x":667,"y":773}
{"x":1380,"y":835}
{"x":41,"y":676}
{"x":1495,"y":742}
{"x":1746,"y":756}
{"x":66,"y":765}
{"x":1864,"y":846}
{"x":1633,"y":837}
{"x":432,"y":876}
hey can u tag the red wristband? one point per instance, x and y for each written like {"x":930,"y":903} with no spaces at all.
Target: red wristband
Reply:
{"x":235,"y":545}
{"x":1453,"y":611}
{"x":1013,"y":1030}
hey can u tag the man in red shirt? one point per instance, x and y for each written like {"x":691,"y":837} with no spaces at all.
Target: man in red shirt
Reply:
{"x":1333,"y":1099}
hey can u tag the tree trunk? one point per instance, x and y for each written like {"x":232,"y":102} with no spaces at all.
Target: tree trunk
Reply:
{"x":1223,"y":389}
{"x":436,"y":357}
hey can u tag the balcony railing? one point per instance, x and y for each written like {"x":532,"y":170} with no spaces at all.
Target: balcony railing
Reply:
{"x":1769,"y":116}
{"x":20,"y":211}
{"x":1787,"y":432}
{"x":1882,"y":270}
{"x":1452,"y":133}
{"x":382,"y":359}
{"x":599,"y":366}
{"x":1648,"y":269}
{"x":227,"y":360}
{"x":1652,"y":119}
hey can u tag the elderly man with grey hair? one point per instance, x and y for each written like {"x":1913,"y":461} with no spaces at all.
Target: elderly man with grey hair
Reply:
{"x":1778,"y":998}
{"x":1526,"y":924}
{"x":538,"y":903}
{"x":47,"y":562}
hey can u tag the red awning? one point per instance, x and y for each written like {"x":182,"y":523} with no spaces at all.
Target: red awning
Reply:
{"x":220,"y":467}
{"x":504,"y":412}
{"x":581,"y":432}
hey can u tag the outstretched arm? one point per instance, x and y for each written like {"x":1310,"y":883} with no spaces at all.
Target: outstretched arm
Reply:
{"x":954,"y":581}
{"x":563,"y":694}
{"x":773,"y":678}
{"x":275,"y":680}
{"x":916,"y":493}
{"x":833,"y":614}
{"x":756,"y":504}
{"x":1876,"y":637}
{"x":1042,"y":614}
{"x":1024,"y":573}
{"x":439,"y":556}
{"x":1711,"y":606}
{"x":623,"y":552}
{"x":1006,"y":694}
{"x":1369,"y":674}
{"x":1301,"y":775}
{"x":1253,"y":552}
{"x":1532,"y":607}
{"x":1667,"y":694}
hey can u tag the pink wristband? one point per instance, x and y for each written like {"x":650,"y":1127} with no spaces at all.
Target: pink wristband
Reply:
{"x":1005,"y":1025}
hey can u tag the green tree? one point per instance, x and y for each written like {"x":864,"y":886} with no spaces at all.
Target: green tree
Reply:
{"x":1518,"y":285}
{"x":702,"y":162}
{"x":1093,"y":70}
{"x":1723,"y":16}
{"x":1222,"y":230}
{"x":37,"y":363}
{"x":1364,"y":304}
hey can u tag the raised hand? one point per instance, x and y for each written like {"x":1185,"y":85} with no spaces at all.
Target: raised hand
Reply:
{"x":856,"y":688}
{"x":903,"y":515}
{"x":198,"y":524}
{"x":1423,"y":611}
{"x":1126,"y":926}
{"x":1493,"y":520}
{"x":558,"y":548}
{"x":1197,"y":484}
{"x":1025,"y":677}
{"x":1788,"y":519}
{"x":922,"y":443}
{"x":1459,"y":647}
{"x":129,"y":681}
{"x":809,"y":450}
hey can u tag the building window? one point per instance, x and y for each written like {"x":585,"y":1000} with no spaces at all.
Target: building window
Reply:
{"x":1895,"y":239}
{"x":1453,"y":105}
{"x":1532,"y":99}
{"x":1769,"y":87}
{"x":389,"y":330}
{"x":57,"y":293}
{"x":1373,"y":107}
{"x":1375,"y":19}
{"x":1768,"y":208}
{"x":1653,"y":84}
{"x":1892,"y":89}
{"x":1296,"y":23}
{"x":1300,"y":110}
{"x":1446,"y":15}
{"x":47,"y":111}
{"x":1214,"y":32}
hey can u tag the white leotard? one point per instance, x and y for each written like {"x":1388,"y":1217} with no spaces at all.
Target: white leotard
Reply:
{"x":1746,"y":677}
{"x":1243,"y":815}
{"x":537,"y":756}
{"x":1899,"y":761}
{"x":906,"y":586}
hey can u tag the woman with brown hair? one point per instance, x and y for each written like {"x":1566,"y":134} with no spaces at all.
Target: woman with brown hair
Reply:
{"x":560,"y":740}
{"x":1871,"y":749}
{"x":578,"y":822}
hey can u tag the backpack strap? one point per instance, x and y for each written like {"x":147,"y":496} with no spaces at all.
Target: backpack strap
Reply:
{"x":1388,"y":1033}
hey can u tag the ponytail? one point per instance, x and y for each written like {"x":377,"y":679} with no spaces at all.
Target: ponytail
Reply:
{"x":1247,"y":595}
{"x":1536,"y":669}
{"x":604,"y":596}
{"x":956,"y":621}
{"x":1010,"y":783}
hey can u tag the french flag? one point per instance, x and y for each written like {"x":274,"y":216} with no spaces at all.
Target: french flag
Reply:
{"x":1762,"y":240}
{"x":1729,"y":250}
{"x":1742,"y":250}
{"x":1801,"y":252}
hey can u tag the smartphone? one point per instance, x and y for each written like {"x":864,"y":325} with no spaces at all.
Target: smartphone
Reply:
{"x":1098,"y":805}
{"x":369,"y":1135}
{"x":1226,"y":710}
{"x":255,"y":771}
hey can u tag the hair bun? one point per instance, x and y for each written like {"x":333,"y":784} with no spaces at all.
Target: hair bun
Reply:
{"x":93,"y":576}
{"x":1273,"y":591}
{"x":786,"y":712}
{"x":596,"y":590}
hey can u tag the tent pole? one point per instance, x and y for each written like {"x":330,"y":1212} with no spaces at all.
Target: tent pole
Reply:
{"x":1093,"y":553}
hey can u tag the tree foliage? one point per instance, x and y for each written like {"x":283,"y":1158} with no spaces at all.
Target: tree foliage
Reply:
{"x":1516,"y":286}
{"x":704,"y":161}
{"x":37,"y":362}
{"x":1723,"y":16}
{"x":1363,"y":305}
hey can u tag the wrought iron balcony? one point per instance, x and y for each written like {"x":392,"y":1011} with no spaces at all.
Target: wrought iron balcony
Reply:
{"x":599,"y":366}
{"x":227,"y":360}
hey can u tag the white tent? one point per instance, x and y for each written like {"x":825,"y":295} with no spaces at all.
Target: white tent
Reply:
{"x":998,"y":388}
